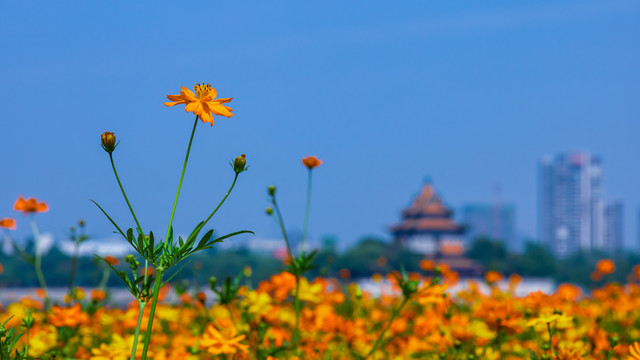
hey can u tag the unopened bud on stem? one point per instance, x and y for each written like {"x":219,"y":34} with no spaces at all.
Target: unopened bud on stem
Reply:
{"x":108,"y":140}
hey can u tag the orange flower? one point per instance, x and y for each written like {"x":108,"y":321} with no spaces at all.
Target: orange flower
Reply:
{"x":69,"y":317}
{"x":97,"y":295}
{"x":8,"y":223}
{"x":605,"y":266}
{"x":203,"y":103}
{"x":112,"y":260}
{"x":634,"y":351}
{"x":311,"y":162}
{"x":492,"y":277}
{"x":427,"y":265}
{"x":30,"y":205}
{"x":216,"y":343}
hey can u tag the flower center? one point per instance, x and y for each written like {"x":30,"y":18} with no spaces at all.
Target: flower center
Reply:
{"x":202,"y":90}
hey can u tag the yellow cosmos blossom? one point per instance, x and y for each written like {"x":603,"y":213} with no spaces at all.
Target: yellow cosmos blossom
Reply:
{"x":257,"y":303}
{"x":41,"y":340}
{"x":309,"y":292}
{"x":203,"y":103}
{"x":560,"y":321}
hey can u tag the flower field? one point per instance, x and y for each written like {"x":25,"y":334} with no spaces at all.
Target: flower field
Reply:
{"x":339,"y":322}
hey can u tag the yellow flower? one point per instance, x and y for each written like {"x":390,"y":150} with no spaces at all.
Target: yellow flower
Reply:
{"x":118,"y":349}
{"x":258,"y":303}
{"x":308,"y":292}
{"x":41,"y":340}
{"x":203,"y":103}
{"x":560,"y":321}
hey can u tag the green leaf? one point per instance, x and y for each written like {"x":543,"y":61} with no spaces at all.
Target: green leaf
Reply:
{"x":205,"y":238}
{"x":110,"y":219}
{"x":122,"y":275}
{"x":220,"y":239}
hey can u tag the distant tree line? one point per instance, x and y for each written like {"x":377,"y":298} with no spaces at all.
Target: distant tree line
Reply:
{"x":369,"y":256}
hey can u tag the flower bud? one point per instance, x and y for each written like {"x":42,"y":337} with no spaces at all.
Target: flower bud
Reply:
{"x":130,"y":259}
{"x":269,"y":210}
{"x":3,"y":331}
{"x":108,"y":142}
{"x":212,"y":282}
{"x":239,"y":164}
{"x":272,"y":190}
{"x":81,"y":223}
{"x":358,"y":292}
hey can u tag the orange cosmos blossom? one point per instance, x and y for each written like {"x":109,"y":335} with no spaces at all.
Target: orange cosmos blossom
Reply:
{"x":30,"y":205}
{"x":311,"y":162}
{"x":605,"y":266}
{"x":634,"y":351}
{"x":203,"y":103}
{"x":8,"y":223}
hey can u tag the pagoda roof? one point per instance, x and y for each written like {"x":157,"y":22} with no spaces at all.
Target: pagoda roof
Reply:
{"x":427,"y":213}
{"x":427,"y":203}
{"x":426,"y":224}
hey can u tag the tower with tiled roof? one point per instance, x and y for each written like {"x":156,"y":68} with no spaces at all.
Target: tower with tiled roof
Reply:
{"x":427,"y":225}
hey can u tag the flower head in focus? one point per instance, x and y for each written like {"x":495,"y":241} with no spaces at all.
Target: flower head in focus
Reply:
{"x":203,"y":103}
{"x":311,"y":162}
{"x":30,"y":205}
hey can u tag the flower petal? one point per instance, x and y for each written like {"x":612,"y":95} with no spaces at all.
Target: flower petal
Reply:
{"x":219,"y":109}
{"x":188,"y":94}
{"x":206,"y":117}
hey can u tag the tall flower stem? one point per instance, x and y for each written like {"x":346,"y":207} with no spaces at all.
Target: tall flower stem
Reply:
{"x":152,"y":311}
{"x":395,"y":313}
{"x":223,"y":199}
{"x":74,"y":264}
{"x":38,"y":262}
{"x":296,"y":298}
{"x":115,"y":172}
{"x":123,"y":192}
{"x":306,"y":212}
{"x":282,"y":228}
{"x":184,"y":167}
{"x":137,"y":332}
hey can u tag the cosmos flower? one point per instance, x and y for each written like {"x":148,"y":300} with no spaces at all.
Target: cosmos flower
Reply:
{"x":203,"y":103}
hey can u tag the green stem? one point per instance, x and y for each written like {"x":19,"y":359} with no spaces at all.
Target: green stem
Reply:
{"x":74,"y":264}
{"x":26,"y":346}
{"x":184,"y":167}
{"x":124,"y":193}
{"x":395,"y":313}
{"x":550,"y":339}
{"x":137,"y":332}
{"x":223,"y":199}
{"x":152,"y":312}
{"x":282,"y":228}
{"x":105,"y":279}
{"x":306,"y":213}
{"x":38,"y":264}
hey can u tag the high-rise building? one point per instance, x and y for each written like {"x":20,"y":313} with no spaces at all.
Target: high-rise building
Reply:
{"x":497,"y":222}
{"x":570,"y":203}
{"x":613,"y":226}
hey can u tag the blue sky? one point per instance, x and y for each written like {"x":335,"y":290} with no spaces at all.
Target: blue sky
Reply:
{"x":470,"y":93}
